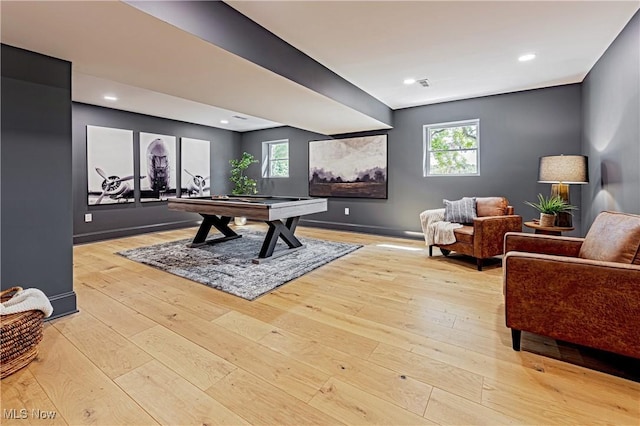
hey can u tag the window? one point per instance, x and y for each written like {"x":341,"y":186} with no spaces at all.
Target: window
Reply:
{"x":452,"y":149}
{"x":275,"y":156}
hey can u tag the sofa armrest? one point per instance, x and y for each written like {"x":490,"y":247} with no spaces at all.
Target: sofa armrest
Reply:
{"x":508,"y":218}
{"x":489,"y":231}
{"x":588,"y":302}
{"x":544,"y":244}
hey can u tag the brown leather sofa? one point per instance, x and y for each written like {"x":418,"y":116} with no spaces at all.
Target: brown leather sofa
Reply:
{"x":579,"y":290}
{"x":485,"y":237}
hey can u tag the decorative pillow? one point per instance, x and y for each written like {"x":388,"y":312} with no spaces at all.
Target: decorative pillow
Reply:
{"x":613,"y":237}
{"x":460,"y":211}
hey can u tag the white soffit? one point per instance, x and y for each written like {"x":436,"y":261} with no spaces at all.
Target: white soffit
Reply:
{"x":91,"y":90}
{"x":465,"y":48}
{"x":116,"y":42}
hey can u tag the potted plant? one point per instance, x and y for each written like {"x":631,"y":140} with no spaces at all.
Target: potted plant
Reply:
{"x":549,"y":207}
{"x":244,"y":185}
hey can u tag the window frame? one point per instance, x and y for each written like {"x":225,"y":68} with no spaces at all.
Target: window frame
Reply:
{"x":426,"y":142}
{"x":267,"y":160}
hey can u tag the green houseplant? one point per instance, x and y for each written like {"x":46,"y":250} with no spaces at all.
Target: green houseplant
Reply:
{"x":549,"y":207}
{"x":244,"y":185}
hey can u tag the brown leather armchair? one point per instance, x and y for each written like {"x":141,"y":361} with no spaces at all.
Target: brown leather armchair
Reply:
{"x":579,"y":290}
{"x":484,"y":238}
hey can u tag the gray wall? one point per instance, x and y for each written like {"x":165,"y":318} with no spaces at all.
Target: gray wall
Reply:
{"x":118,"y":220}
{"x":36,"y":219}
{"x":611,"y":133}
{"x":515,"y":129}
{"x":299,"y":139}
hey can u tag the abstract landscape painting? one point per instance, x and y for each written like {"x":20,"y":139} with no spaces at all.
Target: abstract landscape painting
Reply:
{"x":352,"y":167}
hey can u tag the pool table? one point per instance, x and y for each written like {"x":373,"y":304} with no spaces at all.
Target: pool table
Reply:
{"x":280,"y":213}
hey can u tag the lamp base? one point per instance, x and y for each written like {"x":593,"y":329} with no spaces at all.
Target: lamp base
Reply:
{"x":563,"y":219}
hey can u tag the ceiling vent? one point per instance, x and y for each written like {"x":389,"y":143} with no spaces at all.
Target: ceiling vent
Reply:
{"x":424,"y":82}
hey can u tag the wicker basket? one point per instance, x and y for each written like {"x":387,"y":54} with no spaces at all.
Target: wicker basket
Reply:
{"x":19,"y":337}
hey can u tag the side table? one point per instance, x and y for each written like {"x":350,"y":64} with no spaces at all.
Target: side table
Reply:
{"x":548,"y":230}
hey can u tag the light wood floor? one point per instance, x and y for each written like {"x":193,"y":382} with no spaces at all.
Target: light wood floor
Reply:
{"x":383,"y":335}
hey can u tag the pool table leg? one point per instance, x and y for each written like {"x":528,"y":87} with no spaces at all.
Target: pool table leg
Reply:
{"x":278,"y":229}
{"x":220,"y":223}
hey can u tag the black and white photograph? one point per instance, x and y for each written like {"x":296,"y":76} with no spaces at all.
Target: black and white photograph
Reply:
{"x":157,"y":167}
{"x":351,"y":167}
{"x":109,"y":165}
{"x":195,"y":167}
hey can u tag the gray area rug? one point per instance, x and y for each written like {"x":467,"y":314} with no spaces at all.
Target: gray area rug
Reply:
{"x":227,"y":266}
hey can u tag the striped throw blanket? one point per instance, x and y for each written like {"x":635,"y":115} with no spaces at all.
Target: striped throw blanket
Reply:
{"x":435,"y":229}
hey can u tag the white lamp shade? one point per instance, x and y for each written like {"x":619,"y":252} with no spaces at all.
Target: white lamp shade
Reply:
{"x":564,"y":169}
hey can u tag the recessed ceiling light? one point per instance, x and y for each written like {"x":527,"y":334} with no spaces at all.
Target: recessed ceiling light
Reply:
{"x":110,"y":98}
{"x":224,"y":121}
{"x":408,"y":81}
{"x":527,"y":57}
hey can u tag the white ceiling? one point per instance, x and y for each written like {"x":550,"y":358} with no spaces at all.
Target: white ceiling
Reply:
{"x":91,"y":90}
{"x":116,"y":42}
{"x":465,"y":49}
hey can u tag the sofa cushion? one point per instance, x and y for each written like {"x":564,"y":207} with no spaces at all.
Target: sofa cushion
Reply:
{"x":460,"y":211}
{"x":464,"y":234}
{"x":491,"y":206}
{"x":613,"y":237}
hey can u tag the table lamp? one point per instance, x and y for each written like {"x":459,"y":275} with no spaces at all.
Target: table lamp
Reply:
{"x":560,"y":171}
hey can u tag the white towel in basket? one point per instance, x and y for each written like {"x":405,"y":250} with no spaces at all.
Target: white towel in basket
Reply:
{"x":27,"y":300}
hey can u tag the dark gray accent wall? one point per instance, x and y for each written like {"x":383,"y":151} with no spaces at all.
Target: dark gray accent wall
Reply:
{"x":36,"y":218}
{"x":611,"y":132}
{"x":515,"y":130}
{"x":117,"y":220}
{"x":222,"y":25}
{"x":296,"y":183}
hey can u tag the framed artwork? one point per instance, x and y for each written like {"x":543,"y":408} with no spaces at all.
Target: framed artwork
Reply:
{"x":157,"y":167}
{"x":110,"y":176}
{"x":352,"y":167}
{"x":195,"y":167}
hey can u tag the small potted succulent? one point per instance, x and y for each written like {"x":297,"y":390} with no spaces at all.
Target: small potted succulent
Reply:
{"x":549,"y":207}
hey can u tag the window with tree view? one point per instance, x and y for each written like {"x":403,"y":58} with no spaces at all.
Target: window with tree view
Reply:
{"x":276,"y":159}
{"x":452,"y":149}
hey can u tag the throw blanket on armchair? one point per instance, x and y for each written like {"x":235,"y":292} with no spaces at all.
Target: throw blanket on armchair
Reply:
{"x":435,"y":229}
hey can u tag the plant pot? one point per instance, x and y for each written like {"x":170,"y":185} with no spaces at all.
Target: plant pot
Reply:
{"x":240,"y":220}
{"x":547,"y":219}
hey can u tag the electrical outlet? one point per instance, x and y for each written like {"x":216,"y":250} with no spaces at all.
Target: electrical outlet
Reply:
{"x":346,"y":211}
{"x":88,"y":217}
